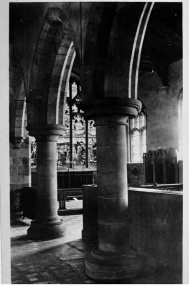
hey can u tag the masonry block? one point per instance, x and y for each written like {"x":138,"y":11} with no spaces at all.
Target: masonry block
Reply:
{"x":22,"y":152}
{"x":23,"y":170}
{"x":12,"y":151}
{"x":26,"y":161}
{"x":52,"y":101}
{"x":52,"y":106}
{"x":18,"y":179}
{"x":11,"y":160}
{"x":55,"y":80}
{"x":15,"y":160}
{"x":53,"y":92}
{"x":25,"y":146}
{"x":13,"y":171}
{"x":23,"y":161}
{"x":14,"y":187}
{"x":63,"y":50}
{"x":19,"y":113}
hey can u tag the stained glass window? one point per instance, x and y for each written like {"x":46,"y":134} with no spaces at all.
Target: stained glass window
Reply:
{"x":92,"y":143}
{"x":33,"y":153}
{"x":77,"y":147}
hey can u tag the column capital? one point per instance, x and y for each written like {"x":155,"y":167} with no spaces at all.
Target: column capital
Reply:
{"x":111,"y":106}
{"x":46,"y":132}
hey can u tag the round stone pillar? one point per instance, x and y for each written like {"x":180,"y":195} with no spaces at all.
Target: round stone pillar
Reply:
{"x":47,"y":224}
{"x":112,"y":183}
{"x":113,"y":259}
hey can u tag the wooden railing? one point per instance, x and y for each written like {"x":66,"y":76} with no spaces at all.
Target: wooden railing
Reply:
{"x":70,"y":179}
{"x":67,"y":194}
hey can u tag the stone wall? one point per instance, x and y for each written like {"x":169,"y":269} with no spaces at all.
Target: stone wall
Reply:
{"x":20,"y":172}
{"x":162,"y":109}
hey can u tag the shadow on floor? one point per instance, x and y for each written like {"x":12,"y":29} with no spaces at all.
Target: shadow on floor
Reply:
{"x":62,"y":260}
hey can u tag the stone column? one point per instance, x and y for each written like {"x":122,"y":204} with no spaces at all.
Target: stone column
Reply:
{"x":47,"y":224}
{"x":113,"y":259}
{"x":112,"y":183}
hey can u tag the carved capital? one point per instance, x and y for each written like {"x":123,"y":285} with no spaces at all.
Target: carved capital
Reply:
{"x":46,"y":132}
{"x":111,"y":107}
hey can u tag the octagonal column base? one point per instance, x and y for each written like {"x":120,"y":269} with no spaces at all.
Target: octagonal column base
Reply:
{"x":112,"y":267}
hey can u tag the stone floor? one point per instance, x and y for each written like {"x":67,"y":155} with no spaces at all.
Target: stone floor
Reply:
{"x":57,"y":261}
{"x":61,"y":261}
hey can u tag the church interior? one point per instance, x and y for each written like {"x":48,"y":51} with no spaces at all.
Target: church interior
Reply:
{"x":95,"y":130}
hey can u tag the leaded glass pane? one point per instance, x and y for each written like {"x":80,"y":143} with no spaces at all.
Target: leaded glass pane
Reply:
{"x":33,"y":154}
{"x":63,"y":153}
{"x":63,"y":144}
{"x":67,"y":122}
{"x":132,"y":122}
{"x":74,"y":89}
{"x":92,"y":147}
{"x":138,"y":137}
{"x":79,"y":152}
{"x":78,"y":126}
{"x":74,"y":108}
{"x":141,"y":120}
{"x":79,"y":141}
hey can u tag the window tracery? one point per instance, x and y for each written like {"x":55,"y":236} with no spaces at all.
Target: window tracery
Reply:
{"x":79,"y":139}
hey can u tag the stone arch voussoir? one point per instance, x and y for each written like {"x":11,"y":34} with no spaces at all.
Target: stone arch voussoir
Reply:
{"x":17,"y":103}
{"x":60,"y":78}
{"x":51,"y":50}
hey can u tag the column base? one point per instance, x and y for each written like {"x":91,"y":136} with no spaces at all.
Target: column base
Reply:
{"x":106,"y":266}
{"x":45,"y":231}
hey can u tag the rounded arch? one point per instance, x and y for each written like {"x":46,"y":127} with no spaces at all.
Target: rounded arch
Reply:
{"x":50,"y":68}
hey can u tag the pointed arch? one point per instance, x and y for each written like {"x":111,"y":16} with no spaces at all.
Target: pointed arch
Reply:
{"x":137,"y":48}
